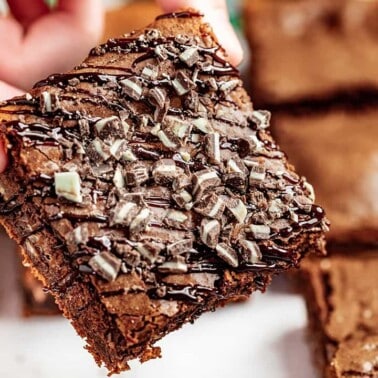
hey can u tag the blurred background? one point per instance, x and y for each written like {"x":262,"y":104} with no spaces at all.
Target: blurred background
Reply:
{"x":314,"y":64}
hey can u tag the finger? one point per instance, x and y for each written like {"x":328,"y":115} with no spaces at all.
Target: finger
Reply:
{"x":89,"y":14}
{"x":26,"y":12}
{"x":3,"y":158}
{"x":8,"y":91}
{"x":216,"y":13}
{"x":54,"y":43}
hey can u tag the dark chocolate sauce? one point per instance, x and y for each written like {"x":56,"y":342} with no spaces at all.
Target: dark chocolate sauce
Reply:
{"x":184,"y":14}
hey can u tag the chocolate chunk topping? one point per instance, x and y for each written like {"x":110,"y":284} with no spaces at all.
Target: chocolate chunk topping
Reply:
{"x":227,"y":254}
{"x":211,"y":206}
{"x":136,"y":174}
{"x":132,"y":87}
{"x":182,"y":83}
{"x":106,"y":265}
{"x":165,"y":171}
{"x":210,"y":230}
{"x":190,"y":56}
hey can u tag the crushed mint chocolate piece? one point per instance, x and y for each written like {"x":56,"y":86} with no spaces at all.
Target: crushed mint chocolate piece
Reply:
{"x":237,"y":208}
{"x":136,"y":174}
{"x":124,"y":213}
{"x":209,"y":232}
{"x":190,"y":56}
{"x":132,"y":87}
{"x":173,"y":267}
{"x":251,"y":251}
{"x":157,"y":96}
{"x":212,"y":147}
{"x":98,"y":151}
{"x":182,"y":181}
{"x":150,"y":72}
{"x":68,"y":186}
{"x":229,"y":85}
{"x":261,"y":118}
{"x":227,"y":254}
{"x":211,"y":206}
{"x":106,"y":265}
{"x":164,"y":171}
{"x":204,"y":181}
{"x":140,"y":222}
{"x":260,"y":231}
{"x":49,"y":102}
{"x":182,"y":198}
{"x":180,"y":247}
{"x":257,"y":173}
{"x":182,"y":83}
{"x":150,"y":250}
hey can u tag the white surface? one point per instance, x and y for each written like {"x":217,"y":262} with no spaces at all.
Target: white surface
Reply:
{"x":262,"y":338}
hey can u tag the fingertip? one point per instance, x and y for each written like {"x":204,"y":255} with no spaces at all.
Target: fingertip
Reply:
{"x":3,"y":158}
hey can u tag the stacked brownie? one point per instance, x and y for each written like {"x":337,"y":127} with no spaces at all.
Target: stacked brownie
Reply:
{"x":316,"y":64}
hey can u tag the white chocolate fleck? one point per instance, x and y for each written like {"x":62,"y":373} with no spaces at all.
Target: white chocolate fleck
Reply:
{"x":118,"y":179}
{"x":260,"y":231}
{"x":140,"y":218}
{"x":254,"y":250}
{"x":238,"y":209}
{"x":123,"y":212}
{"x":177,"y":216}
{"x":47,"y":101}
{"x":203,"y":125}
{"x":67,"y":185}
{"x":103,"y":122}
{"x":165,"y":140}
{"x":233,"y":167}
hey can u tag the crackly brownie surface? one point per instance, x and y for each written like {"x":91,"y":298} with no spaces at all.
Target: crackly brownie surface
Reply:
{"x":144,"y":189}
{"x":342,"y":299}
{"x":336,"y":149}
{"x":312,"y":50}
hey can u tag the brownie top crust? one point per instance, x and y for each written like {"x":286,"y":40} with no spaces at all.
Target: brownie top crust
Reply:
{"x":149,"y":174}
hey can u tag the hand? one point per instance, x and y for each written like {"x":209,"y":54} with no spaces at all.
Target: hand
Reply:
{"x":37,"y":42}
{"x":216,"y":14}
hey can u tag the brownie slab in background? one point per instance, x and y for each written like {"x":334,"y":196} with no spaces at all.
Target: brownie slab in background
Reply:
{"x":337,"y":150}
{"x":144,"y":188}
{"x":307,"y":50}
{"x":342,"y":299}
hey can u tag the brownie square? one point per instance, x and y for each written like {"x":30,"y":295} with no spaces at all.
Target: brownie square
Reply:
{"x":342,"y":300}
{"x":144,"y":189}
{"x":312,"y":50}
{"x":337,"y":150}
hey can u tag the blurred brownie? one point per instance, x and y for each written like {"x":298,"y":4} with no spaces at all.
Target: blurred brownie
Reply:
{"x":36,"y":301}
{"x":337,"y":150}
{"x":131,"y":16}
{"x":307,"y":50}
{"x":144,"y":189}
{"x":342,"y":299}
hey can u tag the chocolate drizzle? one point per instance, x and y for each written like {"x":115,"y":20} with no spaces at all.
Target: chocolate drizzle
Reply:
{"x":173,"y":134}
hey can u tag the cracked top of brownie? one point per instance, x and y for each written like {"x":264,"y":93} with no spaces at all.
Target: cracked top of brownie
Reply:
{"x":146,"y":178}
